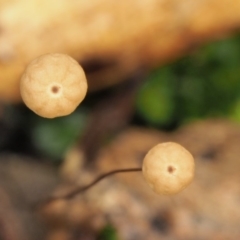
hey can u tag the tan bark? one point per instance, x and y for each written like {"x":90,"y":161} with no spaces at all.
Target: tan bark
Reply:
{"x":112,"y":39}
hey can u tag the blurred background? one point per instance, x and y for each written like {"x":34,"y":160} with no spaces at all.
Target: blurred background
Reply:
{"x":157,"y":71}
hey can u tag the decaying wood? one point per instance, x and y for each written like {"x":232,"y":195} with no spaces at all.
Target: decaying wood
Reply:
{"x":23,"y":183}
{"x":207,"y":209}
{"x":111,"y":39}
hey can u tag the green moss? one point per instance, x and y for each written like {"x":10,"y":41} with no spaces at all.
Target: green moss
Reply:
{"x":203,"y":84}
{"x":54,"y":136}
{"x":108,"y":233}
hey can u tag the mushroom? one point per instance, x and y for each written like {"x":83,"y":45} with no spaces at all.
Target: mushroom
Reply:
{"x":53,"y":85}
{"x":168,"y":168}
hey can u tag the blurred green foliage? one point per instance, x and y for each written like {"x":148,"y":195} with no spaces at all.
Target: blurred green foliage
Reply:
{"x":203,"y":84}
{"x":54,"y":136}
{"x":156,"y":98}
{"x":108,"y":233}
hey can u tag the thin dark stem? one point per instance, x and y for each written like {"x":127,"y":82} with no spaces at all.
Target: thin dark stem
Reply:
{"x":80,"y":190}
{"x":98,"y":179}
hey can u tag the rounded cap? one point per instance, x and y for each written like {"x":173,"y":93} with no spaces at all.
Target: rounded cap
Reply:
{"x":53,"y":85}
{"x":168,"y":168}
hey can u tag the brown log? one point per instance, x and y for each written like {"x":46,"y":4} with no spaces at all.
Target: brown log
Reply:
{"x":111,"y":39}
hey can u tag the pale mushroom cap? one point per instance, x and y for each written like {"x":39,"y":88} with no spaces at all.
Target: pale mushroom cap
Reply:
{"x":53,"y":85}
{"x":168,"y":168}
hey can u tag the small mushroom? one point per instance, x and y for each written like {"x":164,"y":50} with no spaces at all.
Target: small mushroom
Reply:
{"x":168,"y":168}
{"x":53,"y":85}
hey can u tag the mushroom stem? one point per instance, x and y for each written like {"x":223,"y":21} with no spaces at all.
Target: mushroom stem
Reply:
{"x":98,"y":179}
{"x":82,"y":189}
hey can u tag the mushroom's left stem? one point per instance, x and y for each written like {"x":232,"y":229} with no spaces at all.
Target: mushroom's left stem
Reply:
{"x":82,"y":189}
